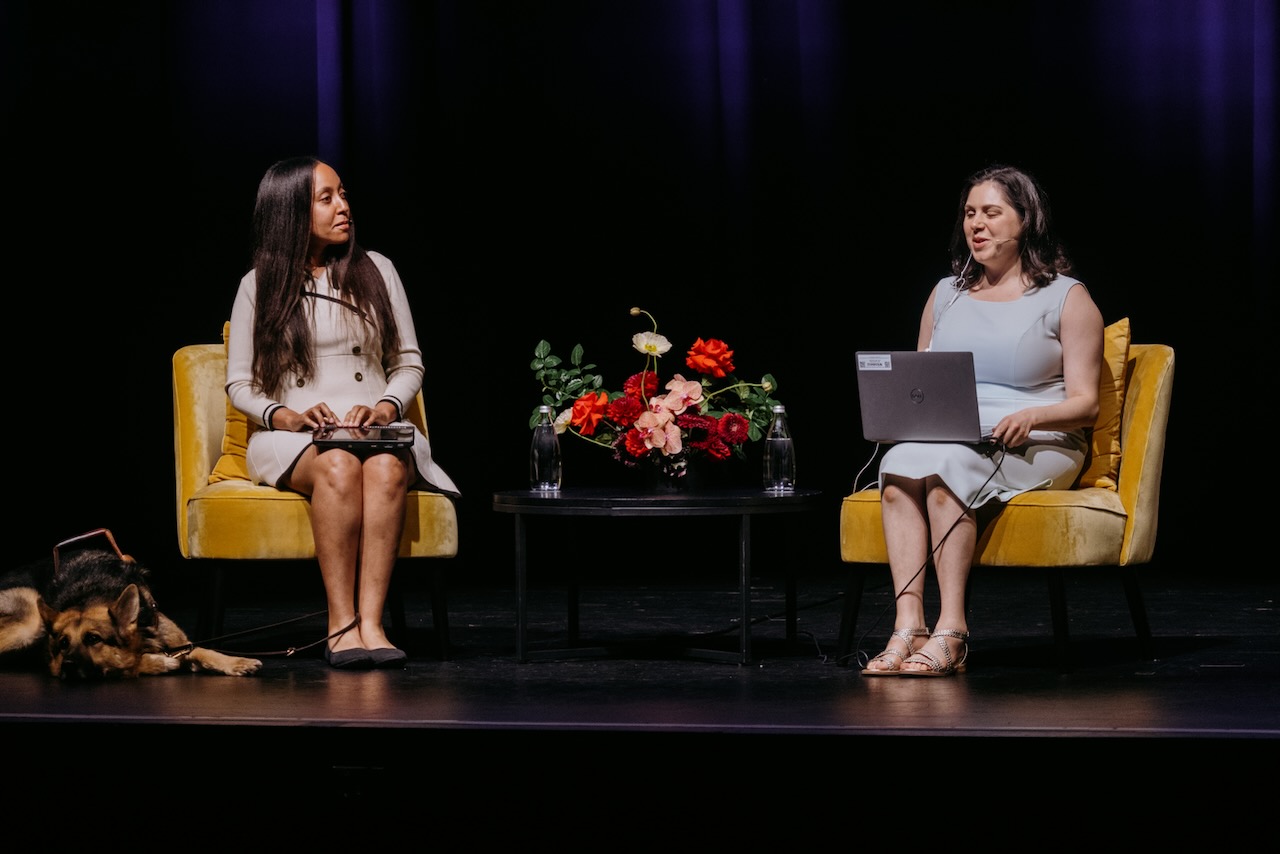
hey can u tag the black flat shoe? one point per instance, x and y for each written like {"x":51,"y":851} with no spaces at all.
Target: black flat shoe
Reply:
{"x":348,"y":659}
{"x":388,"y":658}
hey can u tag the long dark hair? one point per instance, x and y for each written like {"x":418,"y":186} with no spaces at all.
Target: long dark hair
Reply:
{"x":1043,"y":257}
{"x":281,"y":236}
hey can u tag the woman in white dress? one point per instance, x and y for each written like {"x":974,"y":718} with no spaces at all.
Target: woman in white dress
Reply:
{"x":321,"y":333}
{"x":1037,"y":337}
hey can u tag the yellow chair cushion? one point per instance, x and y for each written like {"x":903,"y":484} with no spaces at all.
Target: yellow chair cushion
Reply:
{"x":238,"y":520}
{"x":1077,"y":527}
{"x":232,"y":465}
{"x":1103,"y":463}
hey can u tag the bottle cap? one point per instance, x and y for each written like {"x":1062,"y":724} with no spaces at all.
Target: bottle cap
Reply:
{"x":778,"y":407}
{"x":544,"y":408}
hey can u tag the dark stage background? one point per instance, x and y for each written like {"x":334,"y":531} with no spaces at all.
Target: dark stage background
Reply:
{"x":782,"y":175}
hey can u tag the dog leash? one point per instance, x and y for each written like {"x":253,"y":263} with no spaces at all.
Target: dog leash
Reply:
{"x":185,"y":649}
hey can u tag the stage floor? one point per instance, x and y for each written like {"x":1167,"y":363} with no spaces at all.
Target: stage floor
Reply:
{"x":1212,"y":690}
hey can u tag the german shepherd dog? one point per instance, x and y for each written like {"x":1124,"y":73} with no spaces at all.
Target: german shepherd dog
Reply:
{"x":90,"y":615}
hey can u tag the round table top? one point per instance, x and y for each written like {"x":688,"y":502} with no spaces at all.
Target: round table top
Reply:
{"x":615,"y":501}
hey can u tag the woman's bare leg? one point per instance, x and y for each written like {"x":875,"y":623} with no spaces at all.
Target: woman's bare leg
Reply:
{"x":334,"y":482}
{"x":906,"y":535}
{"x":954,"y":535}
{"x":385,"y":486}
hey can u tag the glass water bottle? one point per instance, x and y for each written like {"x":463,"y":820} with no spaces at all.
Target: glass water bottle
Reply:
{"x":544,"y":454}
{"x":779,"y":454}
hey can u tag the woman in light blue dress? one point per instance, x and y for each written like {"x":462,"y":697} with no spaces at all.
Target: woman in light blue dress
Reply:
{"x":1036,"y":335}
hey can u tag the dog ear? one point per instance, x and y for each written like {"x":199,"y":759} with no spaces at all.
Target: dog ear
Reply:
{"x":46,"y":613}
{"x":127,"y":606}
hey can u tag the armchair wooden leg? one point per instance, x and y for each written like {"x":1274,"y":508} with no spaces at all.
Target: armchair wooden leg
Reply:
{"x":849,"y":616}
{"x":1138,"y":611}
{"x":1058,"y":610}
{"x":440,"y":608}
{"x":395,"y":604}
{"x":209,"y":619}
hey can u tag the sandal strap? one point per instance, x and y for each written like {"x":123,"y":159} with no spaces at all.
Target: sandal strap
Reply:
{"x":947,"y":663}
{"x":904,"y":635}
{"x":954,"y":634}
{"x":926,"y":658}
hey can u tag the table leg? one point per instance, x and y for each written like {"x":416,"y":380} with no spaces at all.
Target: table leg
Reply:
{"x":791,"y":605}
{"x":744,"y":581}
{"x":800,"y":534}
{"x":521,"y":603}
{"x":573,"y":600}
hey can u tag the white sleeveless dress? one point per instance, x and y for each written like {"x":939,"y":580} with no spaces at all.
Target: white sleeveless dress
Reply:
{"x":1017,"y":355}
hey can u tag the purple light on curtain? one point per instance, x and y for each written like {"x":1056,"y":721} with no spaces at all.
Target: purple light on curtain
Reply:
{"x":329,"y":80}
{"x":733,"y":38}
{"x":1264,"y":120}
{"x":745,"y":66}
{"x":1204,"y":71}
{"x":1190,"y":67}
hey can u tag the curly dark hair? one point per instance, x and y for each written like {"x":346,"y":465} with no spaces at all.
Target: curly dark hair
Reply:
{"x":1043,"y":257}
{"x":281,"y":234}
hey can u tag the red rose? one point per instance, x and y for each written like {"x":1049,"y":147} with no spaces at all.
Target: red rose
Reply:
{"x":712,"y":357}
{"x":587,"y":412}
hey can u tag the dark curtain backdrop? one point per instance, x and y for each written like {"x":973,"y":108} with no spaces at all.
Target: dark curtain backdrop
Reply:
{"x":782,"y":174}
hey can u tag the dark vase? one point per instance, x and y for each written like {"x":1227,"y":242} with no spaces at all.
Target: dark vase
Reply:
{"x":700,"y":473}
{"x":657,"y":479}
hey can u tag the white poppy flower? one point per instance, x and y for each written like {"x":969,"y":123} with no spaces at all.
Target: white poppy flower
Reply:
{"x":650,"y":343}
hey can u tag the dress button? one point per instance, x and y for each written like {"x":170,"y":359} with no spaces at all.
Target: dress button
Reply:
{"x":356,"y":349}
{"x":359,"y":377}
{"x":301,"y":383}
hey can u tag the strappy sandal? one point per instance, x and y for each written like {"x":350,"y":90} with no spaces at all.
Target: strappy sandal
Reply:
{"x":944,"y":666}
{"x":904,"y":635}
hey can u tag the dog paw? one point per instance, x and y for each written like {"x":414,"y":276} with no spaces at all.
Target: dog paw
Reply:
{"x":228,"y":665}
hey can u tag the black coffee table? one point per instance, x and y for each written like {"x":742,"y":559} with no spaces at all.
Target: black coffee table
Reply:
{"x":586,"y":502}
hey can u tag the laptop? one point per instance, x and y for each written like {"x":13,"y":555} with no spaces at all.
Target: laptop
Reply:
{"x":917,"y":396}
{"x":389,"y":438}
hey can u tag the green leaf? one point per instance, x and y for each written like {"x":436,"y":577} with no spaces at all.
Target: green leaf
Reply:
{"x":543,"y":349}
{"x":576,"y":356}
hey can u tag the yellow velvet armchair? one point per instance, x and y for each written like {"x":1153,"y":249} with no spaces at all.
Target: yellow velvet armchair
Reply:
{"x":225,"y":520}
{"x":1108,"y":520}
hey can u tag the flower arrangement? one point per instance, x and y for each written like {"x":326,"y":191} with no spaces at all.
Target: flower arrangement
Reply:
{"x":710,"y":414}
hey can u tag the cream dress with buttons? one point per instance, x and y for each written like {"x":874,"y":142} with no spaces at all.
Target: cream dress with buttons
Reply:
{"x":350,"y":370}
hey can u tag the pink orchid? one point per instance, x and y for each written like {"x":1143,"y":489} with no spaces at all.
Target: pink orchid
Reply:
{"x":683,"y":394}
{"x":660,"y":432}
